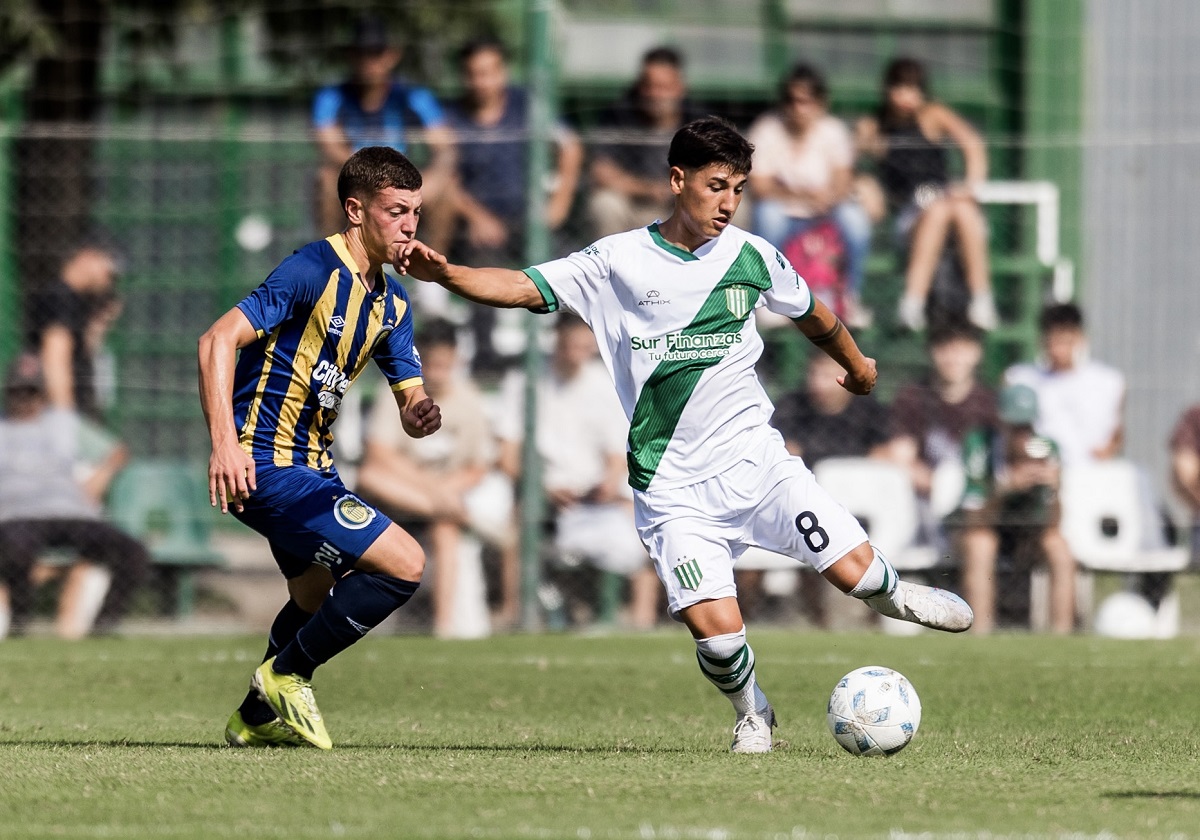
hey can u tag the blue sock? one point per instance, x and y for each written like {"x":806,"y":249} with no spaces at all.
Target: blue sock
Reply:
{"x":357,"y":603}
{"x":285,"y":627}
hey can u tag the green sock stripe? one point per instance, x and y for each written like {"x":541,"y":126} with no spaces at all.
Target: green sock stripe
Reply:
{"x":740,"y":667}
{"x":727,"y":662}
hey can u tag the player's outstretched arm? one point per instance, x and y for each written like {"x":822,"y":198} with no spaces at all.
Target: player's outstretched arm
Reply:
{"x":827,"y":331}
{"x":502,"y":287}
{"x":230,"y":469}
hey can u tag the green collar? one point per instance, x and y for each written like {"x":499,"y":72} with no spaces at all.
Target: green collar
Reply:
{"x":682,"y":253}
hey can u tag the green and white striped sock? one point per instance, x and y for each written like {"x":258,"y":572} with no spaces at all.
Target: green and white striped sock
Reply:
{"x":728,"y":663}
{"x":878,"y":586}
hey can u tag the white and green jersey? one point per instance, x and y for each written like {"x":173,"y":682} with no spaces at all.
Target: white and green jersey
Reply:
{"x":676,"y":331}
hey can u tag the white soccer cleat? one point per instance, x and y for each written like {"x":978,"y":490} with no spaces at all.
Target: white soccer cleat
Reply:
{"x":752,"y":732}
{"x":925,"y":605}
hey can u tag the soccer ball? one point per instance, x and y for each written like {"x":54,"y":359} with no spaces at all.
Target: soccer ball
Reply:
{"x":874,"y":711}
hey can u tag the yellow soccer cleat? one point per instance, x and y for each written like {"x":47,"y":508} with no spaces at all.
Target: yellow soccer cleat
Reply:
{"x":274,"y":733}
{"x":292,"y":699}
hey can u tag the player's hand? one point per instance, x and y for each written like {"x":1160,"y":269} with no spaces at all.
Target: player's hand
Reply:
{"x":861,"y":380}
{"x":421,"y":419}
{"x":420,"y":261}
{"x":230,"y":477}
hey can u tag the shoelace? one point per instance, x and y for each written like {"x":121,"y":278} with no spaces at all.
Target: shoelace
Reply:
{"x":304,"y":689}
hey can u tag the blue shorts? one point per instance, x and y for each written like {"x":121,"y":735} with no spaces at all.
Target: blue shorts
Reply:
{"x":310,"y":517}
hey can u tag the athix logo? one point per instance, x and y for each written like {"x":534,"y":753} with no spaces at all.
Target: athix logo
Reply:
{"x":335,"y":325}
{"x":687,"y":572}
{"x":654,"y":298}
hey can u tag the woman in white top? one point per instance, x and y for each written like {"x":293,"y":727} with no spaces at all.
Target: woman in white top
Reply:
{"x":803,"y":174}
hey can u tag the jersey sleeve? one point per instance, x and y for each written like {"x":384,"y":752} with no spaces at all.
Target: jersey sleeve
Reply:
{"x":572,"y":282}
{"x":397,"y":357}
{"x":294,"y":281}
{"x":326,"y":105}
{"x":426,"y":106}
{"x":789,"y":295}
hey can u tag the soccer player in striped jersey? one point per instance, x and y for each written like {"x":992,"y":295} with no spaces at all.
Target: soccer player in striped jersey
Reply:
{"x":304,"y":335}
{"x":671,"y":307}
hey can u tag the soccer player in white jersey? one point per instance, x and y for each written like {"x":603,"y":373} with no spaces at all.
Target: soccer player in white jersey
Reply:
{"x":671,"y":307}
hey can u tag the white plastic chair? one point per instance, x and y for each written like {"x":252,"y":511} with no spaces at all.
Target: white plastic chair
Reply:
{"x":879,"y":493}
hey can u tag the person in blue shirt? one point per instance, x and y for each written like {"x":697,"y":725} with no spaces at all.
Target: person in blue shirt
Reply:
{"x":489,"y":125}
{"x":372,"y":108}
{"x":304,"y":335}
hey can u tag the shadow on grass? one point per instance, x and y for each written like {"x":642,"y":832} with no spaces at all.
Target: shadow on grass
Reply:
{"x":1152,"y":794}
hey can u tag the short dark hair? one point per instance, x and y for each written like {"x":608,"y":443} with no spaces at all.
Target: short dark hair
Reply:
{"x":485,"y":43}
{"x":1061,"y":316}
{"x":663,"y":55}
{"x":805,"y":74}
{"x":436,"y":332}
{"x":955,"y":330}
{"x":373,"y":169}
{"x":710,"y":140}
{"x":906,"y":71}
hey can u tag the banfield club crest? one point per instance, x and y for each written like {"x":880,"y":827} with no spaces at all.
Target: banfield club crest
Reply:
{"x":687,"y":572}
{"x":737,"y":301}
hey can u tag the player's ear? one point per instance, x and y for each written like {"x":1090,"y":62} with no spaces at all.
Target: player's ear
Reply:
{"x":354,"y":210}
{"x":678,"y":176}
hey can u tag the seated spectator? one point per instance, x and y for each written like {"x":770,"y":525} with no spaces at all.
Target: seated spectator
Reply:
{"x":442,"y":482}
{"x":803,"y":176}
{"x":1011,"y":500}
{"x":1081,"y":400}
{"x":43,"y":505}
{"x":909,"y":138}
{"x":823,"y":420}
{"x":373,"y":109}
{"x":1185,"y":471}
{"x":628,"y":165}
{"x":930,"y":419}
{"x":581,"y":438}
{"x":490,"y":131}
{"x":69,"y":319}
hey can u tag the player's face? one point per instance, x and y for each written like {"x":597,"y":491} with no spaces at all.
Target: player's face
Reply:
{"x":375,"y":67}
{"x":707,"y":198}
{"x":485,"y":76}
{"x":389,"y":222}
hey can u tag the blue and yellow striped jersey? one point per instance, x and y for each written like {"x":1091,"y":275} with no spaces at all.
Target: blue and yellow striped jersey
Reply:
{"x":317,"y":325}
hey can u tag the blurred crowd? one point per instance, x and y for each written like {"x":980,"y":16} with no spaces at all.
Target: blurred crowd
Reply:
{"x":821,"y":191}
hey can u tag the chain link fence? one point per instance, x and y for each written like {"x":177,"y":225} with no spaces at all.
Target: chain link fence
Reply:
{"x":129,"y":232}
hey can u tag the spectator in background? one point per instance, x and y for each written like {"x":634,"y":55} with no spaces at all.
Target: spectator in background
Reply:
{"x":69,"y":319}
{"x":930,"y":419}
{"x":824,"y":420}
{"x":1185,"y":471}
{"x":43,"y":504}
{"x":909,"y":138}
{"x":490,"y":131}
{"x":373,"y":109}
{"x":1080,"y":401}
{"x":1011,"y":503}
{"x":803,"y":175}
{"x":581,"y":438}
{"x":629,"y":189}
{"x":443,"y":482}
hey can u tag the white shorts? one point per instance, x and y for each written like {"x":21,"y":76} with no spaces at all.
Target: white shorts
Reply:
{"x":770,"y":500}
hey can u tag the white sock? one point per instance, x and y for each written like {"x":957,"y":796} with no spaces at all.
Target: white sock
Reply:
{"x":878,"y":582}
{"x":728,"y":663}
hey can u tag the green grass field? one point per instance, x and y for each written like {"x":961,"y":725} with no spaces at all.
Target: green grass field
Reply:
{"x":617,"y":737}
